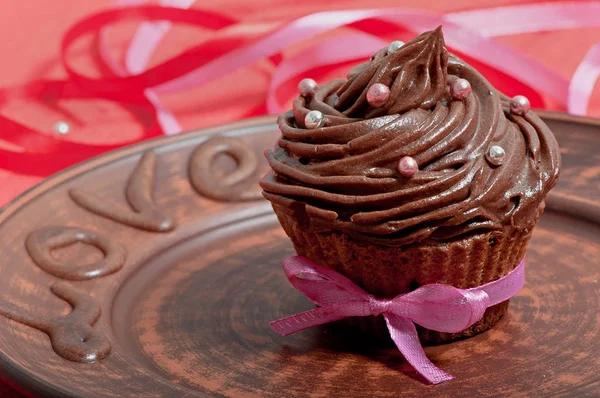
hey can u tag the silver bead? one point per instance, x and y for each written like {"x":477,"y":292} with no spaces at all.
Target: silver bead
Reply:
{"x":62,"y":128}
{"x":395,"y":46}
{"x":313,"y":119}
{"x":496,"y":155}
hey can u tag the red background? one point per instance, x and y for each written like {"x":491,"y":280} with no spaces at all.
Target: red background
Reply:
{"x":31,"y":31}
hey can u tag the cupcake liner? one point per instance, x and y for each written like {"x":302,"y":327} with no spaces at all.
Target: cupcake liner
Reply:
{"x":386,"y":271}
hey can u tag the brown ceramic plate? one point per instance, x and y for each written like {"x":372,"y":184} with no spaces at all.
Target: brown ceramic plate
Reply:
{"x":171,"y":261}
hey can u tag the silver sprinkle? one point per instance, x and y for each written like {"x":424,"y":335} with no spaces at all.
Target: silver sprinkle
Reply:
{"x":62,"y":128}
{"x":395,"y":46}
{"x":496,"y":155}
{"x":313,"y":119}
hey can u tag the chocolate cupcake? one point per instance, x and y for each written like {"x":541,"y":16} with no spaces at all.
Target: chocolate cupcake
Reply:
{"x":413,"y":170}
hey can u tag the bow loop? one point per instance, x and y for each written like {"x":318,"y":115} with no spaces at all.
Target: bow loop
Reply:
{"x":321,"y":285}
{"x":441,"y":307}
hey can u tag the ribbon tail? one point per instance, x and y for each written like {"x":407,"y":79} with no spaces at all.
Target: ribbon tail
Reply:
{"x":404,"y":334}
{"x":318,"y":316}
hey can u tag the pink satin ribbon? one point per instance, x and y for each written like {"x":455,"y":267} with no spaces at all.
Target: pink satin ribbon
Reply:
{"x":435,"y":306}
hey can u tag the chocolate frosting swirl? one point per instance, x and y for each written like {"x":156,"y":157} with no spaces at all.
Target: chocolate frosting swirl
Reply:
{"x":344,"y":175}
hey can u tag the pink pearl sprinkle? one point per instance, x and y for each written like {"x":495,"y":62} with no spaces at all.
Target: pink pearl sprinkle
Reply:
{"x":519,"y":105}
{"x":378,"y":94}
{"x":408,"y":166}
{"x":307,"y":87}
{"x":460,"y":89}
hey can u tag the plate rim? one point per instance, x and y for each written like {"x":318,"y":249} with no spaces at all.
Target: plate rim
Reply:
{"x":207,"y":132}
{"x":15,"y":375}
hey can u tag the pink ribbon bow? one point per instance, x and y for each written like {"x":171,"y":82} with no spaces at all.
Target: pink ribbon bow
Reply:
{"x":435,"y":306}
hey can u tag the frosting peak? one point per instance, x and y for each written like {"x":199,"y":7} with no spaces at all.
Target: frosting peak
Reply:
{"x":481,"y":167}
{"x":416,"y":74}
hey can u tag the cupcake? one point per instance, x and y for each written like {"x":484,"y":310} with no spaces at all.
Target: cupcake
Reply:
{"x":413,"y":170}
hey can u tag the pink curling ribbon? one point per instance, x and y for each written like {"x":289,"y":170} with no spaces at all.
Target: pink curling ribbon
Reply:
{"x":435,"y":306}
{"x":236,"y":44}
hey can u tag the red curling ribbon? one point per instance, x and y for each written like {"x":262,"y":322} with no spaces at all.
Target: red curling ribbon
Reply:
{"x":143,"y":43}
{"x":162,"y":73}
{"x":237,"y":44}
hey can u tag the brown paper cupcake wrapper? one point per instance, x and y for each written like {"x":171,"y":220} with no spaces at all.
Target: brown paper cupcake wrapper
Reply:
{"x":387,"y":271}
